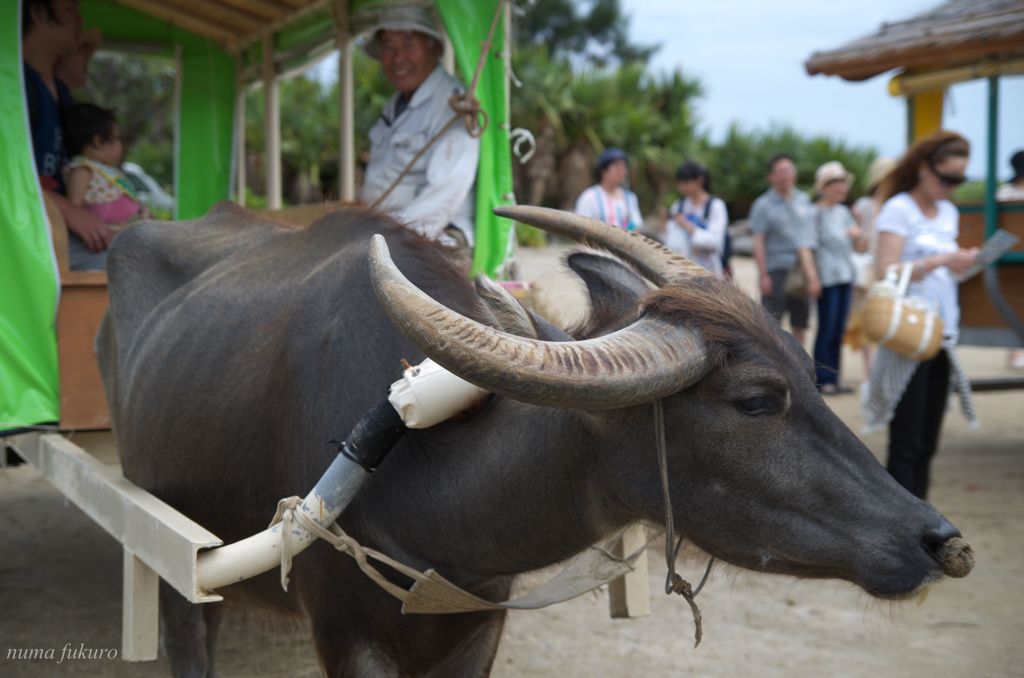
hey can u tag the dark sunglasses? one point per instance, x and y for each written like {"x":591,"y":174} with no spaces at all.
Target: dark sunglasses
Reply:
{"x":947,"y":180}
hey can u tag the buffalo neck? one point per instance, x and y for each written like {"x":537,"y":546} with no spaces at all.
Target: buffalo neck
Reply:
{"x":513,"y":488}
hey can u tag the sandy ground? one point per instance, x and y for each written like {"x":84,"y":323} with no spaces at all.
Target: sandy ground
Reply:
{"x":60,"y":584}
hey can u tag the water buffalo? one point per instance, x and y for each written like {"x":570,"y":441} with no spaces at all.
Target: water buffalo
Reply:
{"x":235,"y":349}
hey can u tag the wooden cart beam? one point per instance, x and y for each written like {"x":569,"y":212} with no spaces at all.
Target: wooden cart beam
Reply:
{"x":158,"y":535}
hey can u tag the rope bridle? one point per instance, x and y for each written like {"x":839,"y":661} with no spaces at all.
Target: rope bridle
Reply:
{"x":430,"y":589}
{"x":674,"y":583}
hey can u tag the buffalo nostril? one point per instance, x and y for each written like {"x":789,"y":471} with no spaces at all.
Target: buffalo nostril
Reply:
{"x":953,"y":553}
{"x":937,"y":536}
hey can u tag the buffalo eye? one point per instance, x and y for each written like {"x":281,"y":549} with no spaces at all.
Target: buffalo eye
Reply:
{"x":759,"y":405}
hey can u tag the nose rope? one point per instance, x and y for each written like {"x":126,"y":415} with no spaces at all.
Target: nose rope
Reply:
{"x":674,"y":583}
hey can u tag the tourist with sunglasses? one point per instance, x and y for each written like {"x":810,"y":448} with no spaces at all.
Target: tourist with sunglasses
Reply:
{"x":919,"y":224}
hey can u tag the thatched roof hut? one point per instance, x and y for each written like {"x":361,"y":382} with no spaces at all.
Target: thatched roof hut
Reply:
{"x":956,"y":33}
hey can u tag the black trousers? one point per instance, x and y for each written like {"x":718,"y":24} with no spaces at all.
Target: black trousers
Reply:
{"x":916,"y":424}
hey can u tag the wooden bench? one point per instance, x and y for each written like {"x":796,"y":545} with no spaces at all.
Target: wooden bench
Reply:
{"x":83,"y":301}
{"x":302,"y":215}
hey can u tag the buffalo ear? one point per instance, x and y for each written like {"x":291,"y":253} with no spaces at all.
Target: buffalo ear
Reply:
{"x":548,"y":331}
{"x":615,"y":289}
{"x":511,"y":316}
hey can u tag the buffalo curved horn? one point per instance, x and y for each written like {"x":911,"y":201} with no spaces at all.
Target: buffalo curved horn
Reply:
{"x":647,"y":360}
{"x":655,"y":261}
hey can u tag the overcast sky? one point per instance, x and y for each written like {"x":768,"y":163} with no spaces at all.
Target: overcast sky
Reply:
{"x":750,"y":58}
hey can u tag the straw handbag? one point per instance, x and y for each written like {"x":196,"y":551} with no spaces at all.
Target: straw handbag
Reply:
{"x":905,"y":325}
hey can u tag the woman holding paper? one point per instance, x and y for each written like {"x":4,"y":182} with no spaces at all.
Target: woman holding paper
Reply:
{"x":918,"y":224}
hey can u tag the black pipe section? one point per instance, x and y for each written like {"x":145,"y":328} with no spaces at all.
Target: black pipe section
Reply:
{"x":373,"y":436}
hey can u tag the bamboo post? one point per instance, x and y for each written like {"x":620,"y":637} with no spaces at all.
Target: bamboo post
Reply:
{"x":272,"y":123}
{"x":346,"y":104}
{"x":240,"y":178}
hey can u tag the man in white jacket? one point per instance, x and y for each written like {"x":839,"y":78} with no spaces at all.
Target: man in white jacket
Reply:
{"x":435,"y":197}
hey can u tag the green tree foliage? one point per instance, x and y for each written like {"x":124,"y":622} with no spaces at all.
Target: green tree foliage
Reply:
{"x":739,"y":162}
{"x":591,"y":108}
{"x":595,"y":31}
{"x":586,"y":88}
{"x":309,"y":136}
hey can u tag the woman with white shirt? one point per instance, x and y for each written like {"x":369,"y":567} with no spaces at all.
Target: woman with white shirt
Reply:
{"x":609,"y":200}
{"x":696,"y":223}
{"x":919,"y":224}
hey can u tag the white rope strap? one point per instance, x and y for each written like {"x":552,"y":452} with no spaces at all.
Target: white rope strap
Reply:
{"x":432,"y":593}
{"x":288,"y":514}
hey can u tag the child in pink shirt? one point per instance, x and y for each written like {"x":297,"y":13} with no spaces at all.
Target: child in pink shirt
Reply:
{"x":94,"y":178}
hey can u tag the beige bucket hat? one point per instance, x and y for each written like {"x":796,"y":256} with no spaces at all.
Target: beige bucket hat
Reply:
{"x":401,"y":18}
{"x":830,"y":171}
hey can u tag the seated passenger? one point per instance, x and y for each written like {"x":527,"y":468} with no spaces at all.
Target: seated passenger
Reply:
{"x":50,"y":31}
{"x":93,"y":177}
{"x":73,"y":68}
{"x":435,"y":196}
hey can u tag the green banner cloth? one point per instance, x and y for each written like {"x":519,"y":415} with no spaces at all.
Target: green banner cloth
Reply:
{"x":467,"y":23}
{"x":28,"y":273}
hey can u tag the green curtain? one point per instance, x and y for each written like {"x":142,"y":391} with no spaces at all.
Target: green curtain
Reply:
{"x":29,"y":285}
{"x":467,"y":23}
{"x":28,"y":275}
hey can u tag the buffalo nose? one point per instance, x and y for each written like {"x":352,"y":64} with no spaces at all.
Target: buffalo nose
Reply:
{"x":955,"y":555}
{"x":935,"y":537}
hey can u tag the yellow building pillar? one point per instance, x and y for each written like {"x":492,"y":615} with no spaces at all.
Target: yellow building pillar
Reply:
{"x":924,"y":113}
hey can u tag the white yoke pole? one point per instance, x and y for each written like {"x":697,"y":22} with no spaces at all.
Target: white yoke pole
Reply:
{"x":262,"y":552}
{"x":426,"y":394}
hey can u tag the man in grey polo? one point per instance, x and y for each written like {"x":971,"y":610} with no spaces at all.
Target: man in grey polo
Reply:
{"x":781,"y":219}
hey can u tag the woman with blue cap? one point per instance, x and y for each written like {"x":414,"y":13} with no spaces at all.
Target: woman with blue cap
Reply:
{"x":609,"y":200}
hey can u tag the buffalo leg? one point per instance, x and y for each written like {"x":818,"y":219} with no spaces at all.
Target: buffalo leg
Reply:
{"x":474,"y":655}
{"x":188,"y":634}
